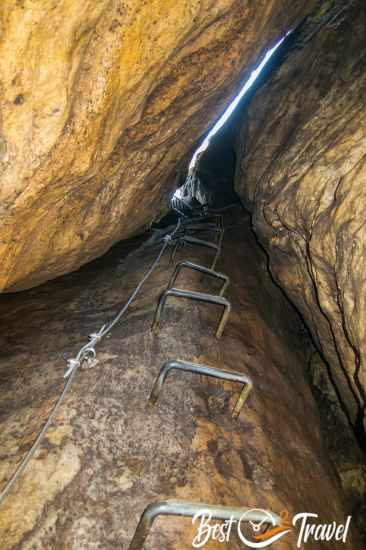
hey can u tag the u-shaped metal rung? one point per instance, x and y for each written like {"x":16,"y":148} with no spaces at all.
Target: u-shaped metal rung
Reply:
{"x":206,"y":371}
{"x":209,"y":298}
{"x":206,"y":218}
{"x":202,"y":269}
{"x":209,"y":228}
{"x":202,"y":227}
{"x":191,"y":509}
{"x":208,"y":244}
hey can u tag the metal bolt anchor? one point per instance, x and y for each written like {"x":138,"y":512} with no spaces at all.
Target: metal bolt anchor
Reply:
{"x":206,"y":371}
{"x":200,"y":296}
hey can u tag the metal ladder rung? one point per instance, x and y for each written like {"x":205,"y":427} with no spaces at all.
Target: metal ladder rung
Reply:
{"x":209,"y":228}
{"x":184,"y":508}
{"x":205,"y":370}
{"x":205,"y":218}
{"x":196,"y":267}
{"x":200,"y":296}
{"x":200,"y":227}
{"x":200,"y":242}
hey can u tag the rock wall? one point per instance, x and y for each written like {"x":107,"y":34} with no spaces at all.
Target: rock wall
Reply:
{"x":303,"y":173}
{"x":99,"y":100}
{"x":106,"y":456}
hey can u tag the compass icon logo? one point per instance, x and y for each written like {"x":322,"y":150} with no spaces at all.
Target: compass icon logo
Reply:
{"x":266,"y":531}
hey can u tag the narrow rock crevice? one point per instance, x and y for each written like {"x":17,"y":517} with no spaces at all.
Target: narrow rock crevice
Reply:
{"x":97,"y":147}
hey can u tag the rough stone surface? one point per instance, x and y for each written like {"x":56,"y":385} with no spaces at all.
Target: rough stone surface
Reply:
{"x":106,"y":456}
{"x":99,"y":101}
{"x":302,"y":173}
{"x":348,"y":458}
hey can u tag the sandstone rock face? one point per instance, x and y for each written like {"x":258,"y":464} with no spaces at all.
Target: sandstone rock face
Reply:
{"x":303,"y":173}
{"x":107,"y":456}
{"x":98,"y":102}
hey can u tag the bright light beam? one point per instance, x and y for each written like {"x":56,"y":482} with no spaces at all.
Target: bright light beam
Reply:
{"x":231,"y":108}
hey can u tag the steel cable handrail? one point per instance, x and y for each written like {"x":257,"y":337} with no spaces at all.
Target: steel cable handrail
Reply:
{"x":85,"y":352}
{"x":88,"y":351}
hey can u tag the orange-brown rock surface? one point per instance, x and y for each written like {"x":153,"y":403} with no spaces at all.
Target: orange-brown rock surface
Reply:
{"x":302,"y":173}
{"x":99,"y":100}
